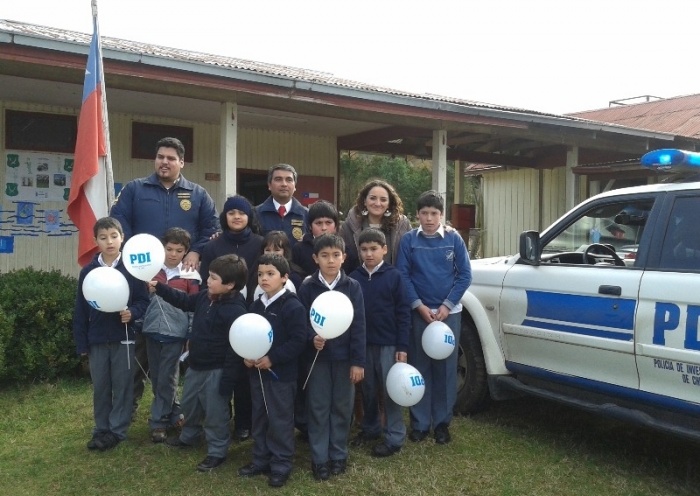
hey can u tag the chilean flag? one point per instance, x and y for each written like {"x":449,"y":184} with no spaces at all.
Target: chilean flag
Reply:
{"x":92,"y":173}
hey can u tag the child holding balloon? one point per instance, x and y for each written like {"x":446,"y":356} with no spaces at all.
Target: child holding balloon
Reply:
{"x":434,"y":265}
{"x":102,"y":333}
{"x":165,"y":329}
{"x":340,"y":359}
{"x":387,"y":341}
{"x":273,"y":391}
{"x":215,"y":309}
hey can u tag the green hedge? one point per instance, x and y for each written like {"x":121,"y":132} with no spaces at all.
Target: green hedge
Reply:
{"x":36,"y":338}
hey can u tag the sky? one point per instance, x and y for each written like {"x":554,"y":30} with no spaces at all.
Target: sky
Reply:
{"x":557,"y":56}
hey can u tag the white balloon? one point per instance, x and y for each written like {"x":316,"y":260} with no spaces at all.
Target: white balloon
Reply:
{"x":106,"y":289}
{"x":250,"y":336}
{"x":143,"y":256}
{"x":258,"y":290}
{"x":438,"y":340}
{"x":404,"y":384}
{"x":331,"y":314}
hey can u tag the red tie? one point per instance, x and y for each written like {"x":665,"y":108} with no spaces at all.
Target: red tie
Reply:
{"x":282,"y":210}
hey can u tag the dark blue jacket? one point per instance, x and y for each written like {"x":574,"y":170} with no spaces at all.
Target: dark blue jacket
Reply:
{"x":352,"y":344}
{"x":387,"y":310}
{"x":145,"y":206}
{"x":302,"y":255}
{"x":288,"y":318}
{"x":211,"y":322}
{"x":91,"y":326}
{"x":294,"y":223}
{"x":249,"y":249}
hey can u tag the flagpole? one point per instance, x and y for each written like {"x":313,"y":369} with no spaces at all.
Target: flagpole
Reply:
{"x":105,"y":116}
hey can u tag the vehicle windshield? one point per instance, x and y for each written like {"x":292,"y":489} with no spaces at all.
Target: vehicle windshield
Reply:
{"x":619,"y":225}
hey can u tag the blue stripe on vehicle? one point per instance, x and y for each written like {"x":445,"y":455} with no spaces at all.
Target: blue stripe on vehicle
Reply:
{"x":652,"y":399}
{"x":572,"y":329}
{"x":582,"y":310}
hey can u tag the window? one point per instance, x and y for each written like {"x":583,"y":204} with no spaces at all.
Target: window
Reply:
{"x":145,"y":136}
{"x":681,"y":247}
{"x":618,"y":226}
{"x":40,"y":132}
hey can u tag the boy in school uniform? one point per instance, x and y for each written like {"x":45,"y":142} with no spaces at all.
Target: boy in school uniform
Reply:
{"x":387,"y":341}
{"x":321,"y":218}
{"x":434,"y":265}
{"x":215,"y":308}
{"x":273,"y":385}
{"x":99,"y":336}
{"x":339,"y":365}
{"x":165,"y":329}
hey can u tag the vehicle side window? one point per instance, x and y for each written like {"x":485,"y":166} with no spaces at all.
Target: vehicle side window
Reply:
{"x":617,"y":226}
{"x":681,"y":246}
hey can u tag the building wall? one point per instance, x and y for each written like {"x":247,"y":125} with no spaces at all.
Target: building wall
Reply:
{"x":257,"y":149}
{"x":519,"y":200}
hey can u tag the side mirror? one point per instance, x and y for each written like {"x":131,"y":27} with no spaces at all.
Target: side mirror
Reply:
{"x":530,"y":247}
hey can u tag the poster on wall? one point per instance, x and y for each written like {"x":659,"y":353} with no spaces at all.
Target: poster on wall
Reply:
{"x":37,"y":176}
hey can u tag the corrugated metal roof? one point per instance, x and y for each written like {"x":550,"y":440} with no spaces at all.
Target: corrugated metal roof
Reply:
{"x":287,"y":72}
{"x":679,"y":115}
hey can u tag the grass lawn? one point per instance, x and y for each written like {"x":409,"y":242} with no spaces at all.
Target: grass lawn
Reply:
{"x":523,"y":447}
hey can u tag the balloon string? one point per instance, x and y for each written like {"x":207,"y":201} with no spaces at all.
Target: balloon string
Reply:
{"x":263,"y":392}
{"x":126,"y":341}
{"x":165,"y":318}
{"x":310,"y":369}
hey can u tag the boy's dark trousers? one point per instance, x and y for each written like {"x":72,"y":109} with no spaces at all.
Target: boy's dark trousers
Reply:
{"x":273,"y":429}
{"x":330,"y":398}
{"x":112,"y":381}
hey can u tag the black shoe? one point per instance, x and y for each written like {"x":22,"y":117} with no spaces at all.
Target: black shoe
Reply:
{"x":417,"y":436}
{"x":362,"y":437}
{"x":320,"y":471}
{"x":277,"y":479}
{"x":383,"y":450}
{"x":241,"y":434}
{"x":252,"y":470}
{"x":107,"y":441}
{"x":92,"y":443}
{"x":442,"y":434}
{"x":174,"y":442}
{"x":338,"y":466}
{"x":210,"y":463}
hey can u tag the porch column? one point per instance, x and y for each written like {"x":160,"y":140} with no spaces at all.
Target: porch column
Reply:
{"x":572,"y":180}
{"x":459,"y":183}
{"x":228,"y":147}
{"x":439,"y":183}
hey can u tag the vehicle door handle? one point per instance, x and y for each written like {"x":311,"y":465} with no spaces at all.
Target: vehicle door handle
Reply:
{"x":610,"y":290}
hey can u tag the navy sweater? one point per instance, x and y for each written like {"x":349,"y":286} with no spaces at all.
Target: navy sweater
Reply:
{"x":91,"y":326}
{"x":351,"y":345}
{"x":287,"y":316}
{"x":387,"y":312}
{"x":212,"y":319}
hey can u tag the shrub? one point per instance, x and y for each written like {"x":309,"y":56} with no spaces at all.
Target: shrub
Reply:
{"x":37,"y":308}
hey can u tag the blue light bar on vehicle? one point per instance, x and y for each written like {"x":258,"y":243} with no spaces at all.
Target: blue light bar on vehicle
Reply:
{"x":670,"y":158}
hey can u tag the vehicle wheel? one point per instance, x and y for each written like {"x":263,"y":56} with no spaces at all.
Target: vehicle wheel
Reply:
{"x":472,"y":386}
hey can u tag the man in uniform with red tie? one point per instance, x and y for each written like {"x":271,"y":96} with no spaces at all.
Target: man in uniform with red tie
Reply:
{"x":281,"y":211}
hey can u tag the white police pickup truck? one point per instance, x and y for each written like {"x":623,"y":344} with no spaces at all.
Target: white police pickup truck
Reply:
{"x":600,"y":311}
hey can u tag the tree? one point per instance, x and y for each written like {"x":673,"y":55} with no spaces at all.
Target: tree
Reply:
{"x":409,"y":179}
